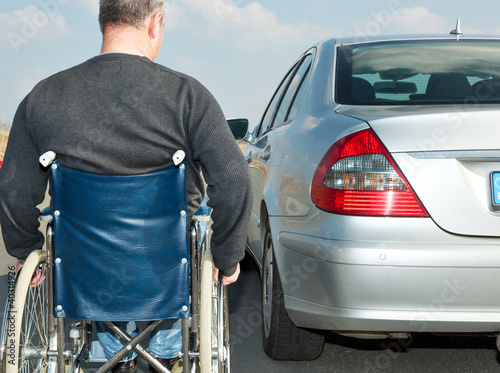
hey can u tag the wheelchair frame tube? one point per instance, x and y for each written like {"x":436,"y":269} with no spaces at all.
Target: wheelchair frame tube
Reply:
{"x":50,"y":276}
{"x":186,"y":362}
{"x":61,"y":346}
{"x":195,"y":297}
{"x":199,"y":242}
{"x":133,"y":343}
{"x":55,"y":325}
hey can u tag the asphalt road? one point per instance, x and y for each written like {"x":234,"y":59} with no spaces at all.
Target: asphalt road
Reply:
{"x":424,"y":353}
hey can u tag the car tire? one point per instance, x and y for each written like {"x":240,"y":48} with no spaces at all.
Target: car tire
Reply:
{"x":282,"y":340}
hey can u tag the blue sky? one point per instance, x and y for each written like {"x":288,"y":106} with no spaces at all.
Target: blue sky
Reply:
{"x":239,"y":49}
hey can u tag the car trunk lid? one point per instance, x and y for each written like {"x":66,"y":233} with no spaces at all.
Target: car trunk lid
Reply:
{"x":448,"y":155}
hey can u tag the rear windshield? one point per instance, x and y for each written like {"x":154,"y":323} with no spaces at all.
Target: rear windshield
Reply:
{"x":419,"y":72}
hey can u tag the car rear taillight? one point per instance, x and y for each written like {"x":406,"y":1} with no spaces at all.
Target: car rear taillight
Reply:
{"x":357,"y":176}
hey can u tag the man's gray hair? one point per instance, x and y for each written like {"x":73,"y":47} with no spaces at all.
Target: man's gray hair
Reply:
{"x":128,"y":12}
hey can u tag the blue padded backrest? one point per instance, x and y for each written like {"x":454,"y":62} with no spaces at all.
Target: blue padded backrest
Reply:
{"x":121,"y":247}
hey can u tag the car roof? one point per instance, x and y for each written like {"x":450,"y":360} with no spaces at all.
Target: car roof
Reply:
{"x":382,"y":38}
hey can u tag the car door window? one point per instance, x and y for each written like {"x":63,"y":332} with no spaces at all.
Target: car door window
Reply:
{"x":293,"y":89}
{"x":271,"y":109}
{"x":292,"y":112}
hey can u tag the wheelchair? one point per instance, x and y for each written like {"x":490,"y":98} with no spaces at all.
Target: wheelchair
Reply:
{"x":118,"y":248}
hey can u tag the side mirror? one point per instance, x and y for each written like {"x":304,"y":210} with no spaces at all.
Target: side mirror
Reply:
{"x":239,"y":128}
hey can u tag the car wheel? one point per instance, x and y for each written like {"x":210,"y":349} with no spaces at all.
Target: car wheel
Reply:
{"x":282,"y":340}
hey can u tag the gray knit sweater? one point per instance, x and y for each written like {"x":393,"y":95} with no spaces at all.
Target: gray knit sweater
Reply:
{"x":121,"y":114}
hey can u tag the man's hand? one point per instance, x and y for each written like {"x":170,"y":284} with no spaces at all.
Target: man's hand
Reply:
{"x":37,"y":278}
{"x":227,"y":280}
{"x":18,"y":266}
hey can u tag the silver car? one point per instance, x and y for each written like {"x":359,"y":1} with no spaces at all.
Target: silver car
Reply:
{"x":376,"y":180}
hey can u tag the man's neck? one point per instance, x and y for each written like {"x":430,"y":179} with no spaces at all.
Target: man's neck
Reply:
{"x":126,"y":40}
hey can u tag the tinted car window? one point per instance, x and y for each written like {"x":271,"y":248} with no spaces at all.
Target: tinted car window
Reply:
{"x":419,"y":72}
{"x":293,"y":88}
{"x":269,"y":115}
{"x":292,"y":111}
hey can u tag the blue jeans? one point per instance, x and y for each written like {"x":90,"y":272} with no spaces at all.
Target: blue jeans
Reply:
{"x":165,"y":342}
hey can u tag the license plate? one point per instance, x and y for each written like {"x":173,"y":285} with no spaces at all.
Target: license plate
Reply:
{"x":495,"y":190}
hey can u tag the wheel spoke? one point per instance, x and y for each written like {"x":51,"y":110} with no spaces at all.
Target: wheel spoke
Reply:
{"x":34,"y":332}
{"x":32,"y":313}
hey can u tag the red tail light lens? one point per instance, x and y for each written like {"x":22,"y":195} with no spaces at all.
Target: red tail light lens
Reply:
{"x":357,"y":176}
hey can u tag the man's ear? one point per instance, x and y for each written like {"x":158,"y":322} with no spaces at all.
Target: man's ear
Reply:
{"x":155,"y":25}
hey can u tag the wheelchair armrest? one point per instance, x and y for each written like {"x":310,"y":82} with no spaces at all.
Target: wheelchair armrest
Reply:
{"x":45,"y":214}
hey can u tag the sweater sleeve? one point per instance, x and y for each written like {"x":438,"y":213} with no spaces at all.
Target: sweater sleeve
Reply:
{"x":227,"y":176}
{"x":23,"y":184}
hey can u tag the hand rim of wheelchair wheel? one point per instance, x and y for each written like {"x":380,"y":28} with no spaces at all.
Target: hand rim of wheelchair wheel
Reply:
{"x":214,"y":343}
{"x":223,"y":350}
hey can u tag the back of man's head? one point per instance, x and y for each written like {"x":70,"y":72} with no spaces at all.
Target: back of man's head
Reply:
{"x":128,"y":12}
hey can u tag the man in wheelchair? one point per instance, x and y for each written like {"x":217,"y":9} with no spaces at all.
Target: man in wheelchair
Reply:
{"x":121,"y":114}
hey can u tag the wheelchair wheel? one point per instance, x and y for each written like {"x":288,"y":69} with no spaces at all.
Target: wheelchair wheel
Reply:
{"x":214,"y":322}
{"x":29,"y":341}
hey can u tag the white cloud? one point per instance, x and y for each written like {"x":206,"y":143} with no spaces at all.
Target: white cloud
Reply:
{"x":19,"y":27}
{"x":309,"y":124}
{"x":252,"y":27}
{"x":420,"y":20}
{"x":417,"y":20}
{"x":91,"y":5}
{"x":175,"y":17}
{"x":467,"y":30}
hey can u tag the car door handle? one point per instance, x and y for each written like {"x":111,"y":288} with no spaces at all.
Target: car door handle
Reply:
{"x":265,"y":155}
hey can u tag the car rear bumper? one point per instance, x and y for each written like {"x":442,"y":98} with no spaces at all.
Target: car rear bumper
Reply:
{"x":346,"y":285}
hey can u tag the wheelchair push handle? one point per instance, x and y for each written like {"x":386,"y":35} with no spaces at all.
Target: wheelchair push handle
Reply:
{"x":47,"y":158}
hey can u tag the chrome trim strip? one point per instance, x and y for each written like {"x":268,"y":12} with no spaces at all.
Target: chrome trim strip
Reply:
{"x":485,"y":155}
